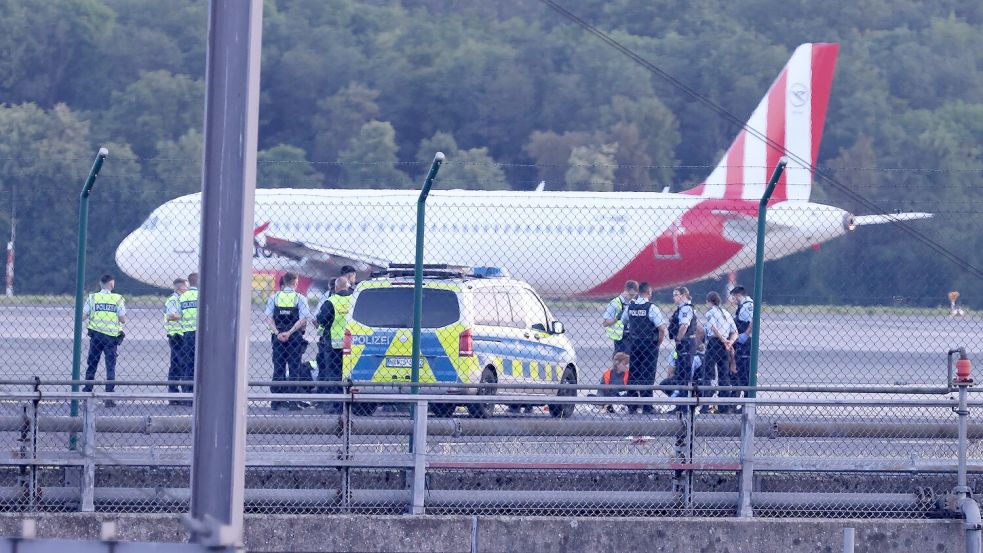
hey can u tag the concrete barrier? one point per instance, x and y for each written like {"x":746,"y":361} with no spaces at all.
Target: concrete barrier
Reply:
{"x":489,"y":534}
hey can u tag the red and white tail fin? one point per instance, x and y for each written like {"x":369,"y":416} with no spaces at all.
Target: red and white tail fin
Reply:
{"x":791,"y":116}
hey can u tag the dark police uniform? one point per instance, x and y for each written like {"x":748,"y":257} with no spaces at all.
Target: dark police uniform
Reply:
{"x":683,"y":315}
{"x":643,"y":321}
{"x":286,"y":307}
{"x":716,"y":365}
{"x":742,"y":352}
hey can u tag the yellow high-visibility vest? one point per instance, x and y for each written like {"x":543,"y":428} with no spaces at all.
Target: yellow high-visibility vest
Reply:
{"x":104,"y":313}
{"x":342,"y":306}
{"x":189,"y":310}
{"x":617,"y":330}
{"x":172,"y":327}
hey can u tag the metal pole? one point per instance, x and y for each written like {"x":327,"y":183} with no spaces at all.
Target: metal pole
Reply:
{"x":88,"y":481}
{"x":80,"y":278}
{"x":746,"y":482}
{"x":419,"y":458}
{"x":759,"y":273}
{"x":228,"y":196}
{"x":962,"y":487}
{"x":848,"y":538}
{"x":13,"y":238}
{"x":421,"y":219}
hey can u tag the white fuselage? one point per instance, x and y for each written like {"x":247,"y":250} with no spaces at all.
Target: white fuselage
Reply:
{"x":563,"y":243}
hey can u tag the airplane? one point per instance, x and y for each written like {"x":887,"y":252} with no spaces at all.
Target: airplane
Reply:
{"x":565,"y":244}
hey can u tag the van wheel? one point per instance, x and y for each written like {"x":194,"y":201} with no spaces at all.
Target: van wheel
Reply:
{"x":484,"y":410}
{"x":565,"y":410}
{"x":442,"y":410}
{"x":363,"y":409}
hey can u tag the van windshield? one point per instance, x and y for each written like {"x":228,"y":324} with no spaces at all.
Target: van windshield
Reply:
{"x":393,"y":307}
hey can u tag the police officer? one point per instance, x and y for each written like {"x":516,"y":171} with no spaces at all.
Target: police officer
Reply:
{"x":614,"y":328}
{"x":332,"y":317}
{"x":682,"y":326}
{"x":189,"y":327}
{"x":287,"y":314}
{"x":647,"y":330}
{"x":721,"y":333}
{"x":172,"y":326}
{"x":106,"y":312}
{"x":349,"y":273}
{"x":742,"y":347}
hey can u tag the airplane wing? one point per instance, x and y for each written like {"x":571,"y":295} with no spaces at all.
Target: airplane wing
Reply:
{"x":861,"y":220}
{"x":322,"y":262}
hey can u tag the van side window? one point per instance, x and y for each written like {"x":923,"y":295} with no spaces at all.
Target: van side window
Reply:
{"x":509,"y":310}
{"x":533,"y":310}
{"x":485,"y":307}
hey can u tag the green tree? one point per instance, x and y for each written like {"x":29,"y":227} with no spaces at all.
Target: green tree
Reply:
{"x":465,"y":169}
{"x":41,"y":42}
{"x":370,"y":159}
{"x":340,"y":117}
{"x":592,"y":168}
{"x":551,"y":152}
{"x":286,"y":166}
{"x":177,"y":166}
{"x":44,"y":158}
{"x":159,"y":106}
{"x":647,"y":135}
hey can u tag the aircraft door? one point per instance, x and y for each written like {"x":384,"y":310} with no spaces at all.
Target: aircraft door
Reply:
{"x":667,"y":244}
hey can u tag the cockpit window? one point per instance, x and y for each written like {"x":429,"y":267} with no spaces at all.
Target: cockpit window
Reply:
{"x":150,"y":223}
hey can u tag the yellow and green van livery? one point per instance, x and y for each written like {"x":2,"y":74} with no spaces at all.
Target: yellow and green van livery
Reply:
{"x":474,"y":330}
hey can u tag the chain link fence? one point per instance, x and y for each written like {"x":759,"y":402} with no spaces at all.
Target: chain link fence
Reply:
{"x":812,"y":455}
{"x":518,"y":309}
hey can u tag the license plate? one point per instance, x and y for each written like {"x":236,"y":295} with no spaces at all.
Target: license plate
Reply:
{"x":400,"y":362}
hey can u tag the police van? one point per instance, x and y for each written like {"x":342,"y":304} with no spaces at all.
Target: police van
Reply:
{"x":478,"y":327}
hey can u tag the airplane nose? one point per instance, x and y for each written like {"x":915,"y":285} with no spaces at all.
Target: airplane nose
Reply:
{"x":125,"y":254}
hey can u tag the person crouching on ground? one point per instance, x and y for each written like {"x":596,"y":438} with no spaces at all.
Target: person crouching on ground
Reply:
{"x":617,"y":378}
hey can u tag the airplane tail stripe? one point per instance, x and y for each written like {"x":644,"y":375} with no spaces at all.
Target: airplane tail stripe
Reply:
{"x":787,"y":122}
{"x":735,"y":168}
{"x":776,"y":132}
{"x":823,"y":64}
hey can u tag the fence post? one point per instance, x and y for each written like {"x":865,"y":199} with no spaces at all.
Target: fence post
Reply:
{"x":419,"y":457}
{"x":80,"y":280}
{"x":346,"y":453}
{"x":848,"y":539}
{"x":421,"y":219}
{"x":759,"y":273}
{"x":88,"y":480}
{"x":746,"y":484}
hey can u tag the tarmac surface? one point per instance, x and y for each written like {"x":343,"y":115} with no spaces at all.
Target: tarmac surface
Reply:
{"x":796,"y":348}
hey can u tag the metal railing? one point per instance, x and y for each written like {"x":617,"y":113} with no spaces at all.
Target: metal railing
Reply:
{"x":793,"y":451}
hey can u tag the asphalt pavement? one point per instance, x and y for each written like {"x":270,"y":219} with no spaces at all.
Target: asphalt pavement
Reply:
{"x":796,"y":347}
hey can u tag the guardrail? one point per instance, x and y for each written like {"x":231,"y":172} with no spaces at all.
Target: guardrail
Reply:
{"x":791,"y":451}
